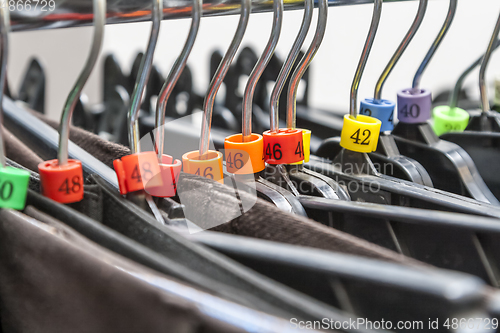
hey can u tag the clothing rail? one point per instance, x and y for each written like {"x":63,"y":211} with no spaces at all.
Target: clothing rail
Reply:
{"x":53,"y":14}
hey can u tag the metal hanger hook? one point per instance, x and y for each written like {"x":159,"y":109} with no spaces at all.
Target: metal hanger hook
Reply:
{"x":485,"y":103}
{"x":305,"y":62}
{"x":208,"y":105}
{"x":259,"y":69}
{"x":442,"y":33}
{"x":463,"y":76}
{"x":142,"y":78}
{"x":422,"y":7}
{"x":377,"y":11}
{"x":74,"y":95}
{"x":4,"y":35}
{"x":174,"y":75}
{"x":287,"y":66}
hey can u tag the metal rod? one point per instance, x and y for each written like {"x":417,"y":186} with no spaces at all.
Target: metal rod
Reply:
{"x":401,"y":48}
{"x":4,"y":44}
{"x":442,"y":33}
{"x":304,"y":63}
{"x":377,"y":11}
{"x":208,"y":105}
{"x":65,"y":14}
{"x":74,"y":95}
{"x":485,"y":103}
{"x":287,"y":66}
{"x":174,"y":75}
{"x":463,"y":77}
{"x":142,"y":79}
{"x":259,"y":69}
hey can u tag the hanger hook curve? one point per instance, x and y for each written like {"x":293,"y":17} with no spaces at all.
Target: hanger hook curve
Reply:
{"x":422,"y":7}
{"x":442,"y":33}
{"x":64,"y":125}
{"x":174,"y":75}
{"x":485,"y":103}
{"x":305,"y":62}
{"x":259,"y":68}
{"x":143,"y":77}
{"x":208,"y":104}
{"x":377,"y":11}
{"x":287,"y":65}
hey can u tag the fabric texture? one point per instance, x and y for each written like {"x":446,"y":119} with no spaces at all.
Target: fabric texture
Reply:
{"x":17,"y":151}
{"x":170,"y":253}
{"x":53,"y":280}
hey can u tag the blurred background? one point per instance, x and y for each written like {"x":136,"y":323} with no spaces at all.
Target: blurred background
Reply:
{"x":63,"y":52}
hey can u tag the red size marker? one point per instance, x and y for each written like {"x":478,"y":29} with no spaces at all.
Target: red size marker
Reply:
{"x":63,"y":184}
{"x":137,"y":172}
{"x":169,"y":174}
{"x":284,"y":146}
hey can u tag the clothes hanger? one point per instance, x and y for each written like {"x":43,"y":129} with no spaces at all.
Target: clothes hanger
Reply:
{"x":456,"y":122}
{"x":205,"y":162}
{"x":62,"y":178}
{"x":353,"y":111}
{"x":483,"y":147}
{"x":294,"y":177}
{"x":170,"y":168}
{"x":248,"y":147}
{"x":137,"y":172}
{"x":487,"y":121}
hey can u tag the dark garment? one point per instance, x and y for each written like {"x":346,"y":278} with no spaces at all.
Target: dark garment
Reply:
{"x":53,"y":280}
{"x":182,"y":259}
{"x":17,"y":151}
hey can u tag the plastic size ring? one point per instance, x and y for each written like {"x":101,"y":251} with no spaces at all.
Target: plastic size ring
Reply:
{"x":137,"y":171}
{"x":209,"y":165}
{"x":306,"y":138}
{"x":244,"y":158}
{"x":414,"y":106}
{"x":13,"y":187}
{"x":447,"y":120}
{"x":360,"y":134}
{"x":169,"y":174}
{"x":382,"y":109}
{"x":63,"y":184}
{"x":284,"y":146}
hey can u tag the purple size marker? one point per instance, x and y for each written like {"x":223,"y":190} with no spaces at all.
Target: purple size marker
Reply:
{"x":414,"y":106}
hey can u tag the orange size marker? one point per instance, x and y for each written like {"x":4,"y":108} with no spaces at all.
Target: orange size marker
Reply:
{"x":244,"y":158}
{"x":285,"y":146}
{"x":209,"y":165}
{"x":169,"y":174}
{"x":137,"y":172}
{"x":63,"y":184}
